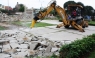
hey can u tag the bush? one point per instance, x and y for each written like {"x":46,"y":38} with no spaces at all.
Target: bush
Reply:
{"x":92,"y":23}
{"x":54,"y":56}
{"x":78,"y":48}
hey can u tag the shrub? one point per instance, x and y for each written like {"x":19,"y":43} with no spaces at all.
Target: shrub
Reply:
{"x":78,"y":48}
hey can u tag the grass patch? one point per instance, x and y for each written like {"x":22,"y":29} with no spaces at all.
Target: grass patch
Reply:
{"x":28,"y":24}
{"x":2,"y":28}
{"x":40,"y":24}
{"x":92,"y":23}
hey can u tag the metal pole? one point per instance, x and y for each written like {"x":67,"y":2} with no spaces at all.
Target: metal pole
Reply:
{"x":8,"y":5}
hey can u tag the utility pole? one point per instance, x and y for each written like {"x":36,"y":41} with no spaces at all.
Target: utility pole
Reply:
{"x":8,"y":5}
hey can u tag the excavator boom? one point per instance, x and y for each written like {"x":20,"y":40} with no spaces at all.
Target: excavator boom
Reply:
{"x":41,"y":14}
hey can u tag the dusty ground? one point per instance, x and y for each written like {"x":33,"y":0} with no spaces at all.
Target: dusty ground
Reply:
{"x":9,"y":25}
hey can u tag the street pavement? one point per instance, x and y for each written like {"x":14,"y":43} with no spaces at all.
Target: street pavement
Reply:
{"x":60,"y":34}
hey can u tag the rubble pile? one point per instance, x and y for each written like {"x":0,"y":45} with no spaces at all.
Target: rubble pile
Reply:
{"x":21,"y":17}
{"x":18,"y":44}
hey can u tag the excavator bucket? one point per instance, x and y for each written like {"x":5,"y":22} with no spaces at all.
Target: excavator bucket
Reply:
{"x":33,"y":23}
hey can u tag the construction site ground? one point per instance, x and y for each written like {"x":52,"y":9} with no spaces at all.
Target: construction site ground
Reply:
{"x":51,"y":33}
{"x":59,"y":34}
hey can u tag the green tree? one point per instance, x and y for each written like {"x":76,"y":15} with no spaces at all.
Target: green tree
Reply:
{"x":88,"y":10}
{"x":80,"y":3}
{"x":22,"y":8}
{"x":4,"y":11}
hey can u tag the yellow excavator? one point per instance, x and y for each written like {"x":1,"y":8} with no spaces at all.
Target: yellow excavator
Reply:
{"x":62,"y":13}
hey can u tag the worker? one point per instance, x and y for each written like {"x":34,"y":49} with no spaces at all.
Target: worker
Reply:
{"x":73,"y":15}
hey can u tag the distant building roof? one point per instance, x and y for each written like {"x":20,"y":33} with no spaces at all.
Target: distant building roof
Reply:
{"x":8,"y":8}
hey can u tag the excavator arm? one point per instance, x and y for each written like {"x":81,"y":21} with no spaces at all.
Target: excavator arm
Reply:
{"x":63,"y":16}
{"x":42,"y":14}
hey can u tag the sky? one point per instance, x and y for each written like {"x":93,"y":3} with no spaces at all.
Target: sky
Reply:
{"x":43,"y":3}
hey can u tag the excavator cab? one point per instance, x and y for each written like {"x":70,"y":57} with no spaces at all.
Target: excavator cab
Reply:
{"x":75,"y":11}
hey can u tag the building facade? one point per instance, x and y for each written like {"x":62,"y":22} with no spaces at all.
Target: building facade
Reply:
{"x":2,"y":7}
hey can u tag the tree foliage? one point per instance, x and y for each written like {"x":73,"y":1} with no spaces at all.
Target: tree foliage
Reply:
{"x":80,"y":3}
{"x":87,"y":10}
{"x":22,"y":8}
{"x":78,"y":48}
{"x":3,"y":11}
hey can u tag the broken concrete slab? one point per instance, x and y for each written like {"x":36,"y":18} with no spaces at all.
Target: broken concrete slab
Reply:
{"x":13,"y":41}
{"x":14,"y":45}
{"x":0,"y":49}
{"x":34,"y":45}
{"x":2,"y":55}
{"x":47,"y":54}
{"x":32,"y":52}
{"x":24,"y":50}
{"x":26,"y":39}
{"x":10,"y":51}
{"x":55,"y":49}
{"x":43,"y":43}
{"x":23,"y":46}
{"x":48,"y":49}
{"x":20,"y":54}
{"x":17,"y":56}
{"x":10,"y":38}
{"x":6,"y":47}
{"x":18,"y":50}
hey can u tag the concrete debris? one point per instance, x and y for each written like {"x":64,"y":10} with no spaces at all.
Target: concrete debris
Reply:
{"x":55,"y":49}
{"x":48,"y":49}
{"x":18,"y":50}
{"x":13,"y":41}
{"x":10,"y":51}
{"x":6,"y":47}
{"x":34,"y":45}
{"x":23,"y":44}
{"x":32,"y":52}
{"x":14,"y":45}
{"x":2,"y":55}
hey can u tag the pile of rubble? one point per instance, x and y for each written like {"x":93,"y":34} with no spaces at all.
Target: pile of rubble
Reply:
{"x":4,"y":17}
{"x":18,"y":44}
{"x":21,"y":17}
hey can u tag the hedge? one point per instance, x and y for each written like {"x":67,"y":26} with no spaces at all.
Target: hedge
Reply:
{"x":78,"y":48}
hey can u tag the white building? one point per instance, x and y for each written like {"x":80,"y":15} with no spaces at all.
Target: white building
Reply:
{"x":2,"y":7}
